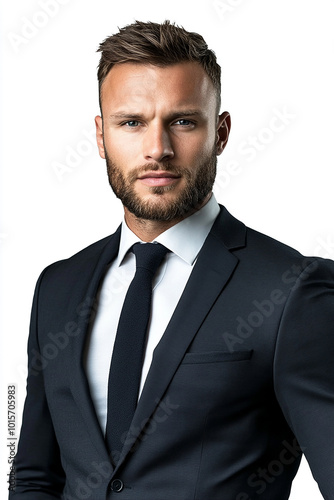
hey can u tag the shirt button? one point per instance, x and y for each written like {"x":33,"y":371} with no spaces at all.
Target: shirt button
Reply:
{"x":117,"y":485}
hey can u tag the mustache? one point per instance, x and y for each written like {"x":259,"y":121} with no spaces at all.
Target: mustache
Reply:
{"x":156,"y":167}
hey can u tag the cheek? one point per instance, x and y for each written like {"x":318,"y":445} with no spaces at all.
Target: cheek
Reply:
{"x":121,"y":149}
{"x":195,"y":150}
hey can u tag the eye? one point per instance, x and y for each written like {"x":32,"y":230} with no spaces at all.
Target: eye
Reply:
{"x":131,"y":123}
{"x":183,"y":122}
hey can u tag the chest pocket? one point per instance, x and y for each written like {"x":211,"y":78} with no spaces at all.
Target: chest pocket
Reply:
{"x":216,"y":357}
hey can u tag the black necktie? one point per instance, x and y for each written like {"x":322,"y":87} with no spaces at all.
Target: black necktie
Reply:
{"x":129,"y":347}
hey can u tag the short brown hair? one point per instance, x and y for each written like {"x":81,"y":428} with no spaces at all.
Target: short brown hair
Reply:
{"x":158,"y":44}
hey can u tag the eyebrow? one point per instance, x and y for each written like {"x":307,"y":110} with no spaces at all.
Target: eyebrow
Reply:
{"x":138,"y":116}
{"x":125,"y":116}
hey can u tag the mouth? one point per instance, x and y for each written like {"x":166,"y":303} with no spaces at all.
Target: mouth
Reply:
{"x":158,"y":178}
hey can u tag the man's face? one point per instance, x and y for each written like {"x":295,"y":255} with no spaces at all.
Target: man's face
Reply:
{"x":160,"y":136}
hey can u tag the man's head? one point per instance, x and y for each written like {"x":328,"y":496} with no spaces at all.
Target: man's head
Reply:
{"x":160,"y":131}
{"x":160,"y":45}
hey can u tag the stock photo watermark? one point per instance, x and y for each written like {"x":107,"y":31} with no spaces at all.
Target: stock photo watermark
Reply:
{"x":266,"y":306}
{"x":32,"y":26}
{"x":102,"y":471}
{"x":59,"y":341}
{"x":267,"y":475}
{"x":133,"y":437}
{"x":225,"y":7}
{"x":255,"y":144}
{"x":325,"y":246}
{"x":248,"y":149}
{"x":75,"y":154}
{"x":11,"y":434}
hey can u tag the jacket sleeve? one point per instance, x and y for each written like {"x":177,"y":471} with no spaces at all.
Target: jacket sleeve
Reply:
{"x":304,"y":368}
{"x":37,"y":473}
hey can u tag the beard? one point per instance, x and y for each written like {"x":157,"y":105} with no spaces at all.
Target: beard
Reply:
{"x":197,"y":187}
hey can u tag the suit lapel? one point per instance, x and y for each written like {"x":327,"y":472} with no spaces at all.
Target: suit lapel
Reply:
{"x":85,"y":309}
{"x":213,"y":269}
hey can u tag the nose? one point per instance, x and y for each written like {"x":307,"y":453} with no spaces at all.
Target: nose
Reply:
{"x":157,"y":145}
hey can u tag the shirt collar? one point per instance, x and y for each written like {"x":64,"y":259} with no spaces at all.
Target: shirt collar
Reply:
{"x":185,"y":239}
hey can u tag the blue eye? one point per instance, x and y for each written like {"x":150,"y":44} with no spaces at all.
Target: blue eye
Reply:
{"x":183,"y":122}
{"x":131,"y":123}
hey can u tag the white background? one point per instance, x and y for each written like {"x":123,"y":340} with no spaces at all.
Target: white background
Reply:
{"x":276,"y":57}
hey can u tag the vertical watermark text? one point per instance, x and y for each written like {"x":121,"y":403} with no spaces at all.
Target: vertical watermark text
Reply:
{"x":11,"y":433}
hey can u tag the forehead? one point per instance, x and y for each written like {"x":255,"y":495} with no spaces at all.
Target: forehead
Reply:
{"x":179,"y":85}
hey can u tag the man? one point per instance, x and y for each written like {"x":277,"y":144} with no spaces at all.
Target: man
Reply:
{"x":232,"y":377}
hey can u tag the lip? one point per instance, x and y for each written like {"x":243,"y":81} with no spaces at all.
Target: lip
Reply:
{"x":158,"y":178}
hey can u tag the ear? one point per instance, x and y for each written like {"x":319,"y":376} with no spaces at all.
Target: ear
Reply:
{"x":223,"y":131}
{"x":99,"y":136}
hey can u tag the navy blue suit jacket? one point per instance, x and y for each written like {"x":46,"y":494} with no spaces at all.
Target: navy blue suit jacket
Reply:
{"x":240,"y":384}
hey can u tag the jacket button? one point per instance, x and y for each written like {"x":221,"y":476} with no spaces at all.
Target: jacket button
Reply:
{"x":117,"y":485}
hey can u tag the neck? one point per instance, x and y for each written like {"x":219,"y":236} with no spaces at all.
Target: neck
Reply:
{"x":148,"y":230}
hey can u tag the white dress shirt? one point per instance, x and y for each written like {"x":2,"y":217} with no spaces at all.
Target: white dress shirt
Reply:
{"x":184,"y":240}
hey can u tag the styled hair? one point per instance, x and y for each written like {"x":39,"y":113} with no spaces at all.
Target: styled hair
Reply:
{"x":158,"y":44}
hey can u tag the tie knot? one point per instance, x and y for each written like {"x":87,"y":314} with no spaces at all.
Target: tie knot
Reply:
{"x":149,"y":255}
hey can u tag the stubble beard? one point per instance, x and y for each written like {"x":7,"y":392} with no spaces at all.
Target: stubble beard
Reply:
{"x":188,"y":200}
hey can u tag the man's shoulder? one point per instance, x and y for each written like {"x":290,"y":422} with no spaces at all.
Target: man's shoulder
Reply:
{"x":237,"y":235}
{"x":259,"y":250}
{"x":85,"y":259}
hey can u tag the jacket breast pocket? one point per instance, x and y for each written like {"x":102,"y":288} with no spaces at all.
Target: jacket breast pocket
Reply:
{"x":216,"y":357}
{"x":213,"y":381}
